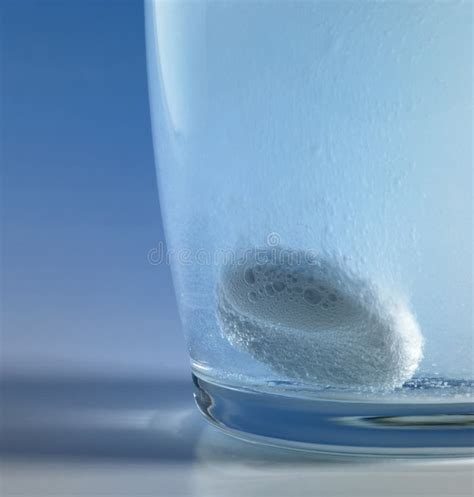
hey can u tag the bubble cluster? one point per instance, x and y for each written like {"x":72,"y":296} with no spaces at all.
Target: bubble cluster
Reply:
{"x":313,"y":320}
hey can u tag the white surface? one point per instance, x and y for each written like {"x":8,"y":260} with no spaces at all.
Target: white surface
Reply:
{"x":201,"y":478}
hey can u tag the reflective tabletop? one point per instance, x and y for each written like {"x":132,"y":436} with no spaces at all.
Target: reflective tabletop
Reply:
{"x":145,"y":437}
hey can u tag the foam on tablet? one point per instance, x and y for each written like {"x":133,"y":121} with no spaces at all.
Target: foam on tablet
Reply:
{"x":313,"y":320}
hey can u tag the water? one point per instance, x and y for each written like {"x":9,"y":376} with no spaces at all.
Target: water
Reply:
{"x":339,"y":129}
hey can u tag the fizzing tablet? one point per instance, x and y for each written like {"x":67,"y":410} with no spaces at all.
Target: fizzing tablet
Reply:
{"x":312,"y":320}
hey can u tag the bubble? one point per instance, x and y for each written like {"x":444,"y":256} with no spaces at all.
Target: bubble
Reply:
{"x":269,"y":290}
{"x":249,"y":276}
{"x":253,"y":297}
{"x":279,"y":286}
{"x":312,"y":297}
{"x":352,"y":334}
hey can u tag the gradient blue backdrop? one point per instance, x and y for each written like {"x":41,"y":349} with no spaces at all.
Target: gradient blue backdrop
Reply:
{"x":79,"y":199}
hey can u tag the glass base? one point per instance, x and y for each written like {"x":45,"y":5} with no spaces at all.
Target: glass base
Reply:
{"x":362,"y":428}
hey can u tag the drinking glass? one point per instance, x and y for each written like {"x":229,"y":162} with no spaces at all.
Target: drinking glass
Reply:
{"x":314,"y":161}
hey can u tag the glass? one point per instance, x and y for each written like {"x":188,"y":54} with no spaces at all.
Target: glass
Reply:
{"x":315,"y":178}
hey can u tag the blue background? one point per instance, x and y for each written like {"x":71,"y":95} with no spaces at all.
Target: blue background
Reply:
{"x":79,"y":198}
